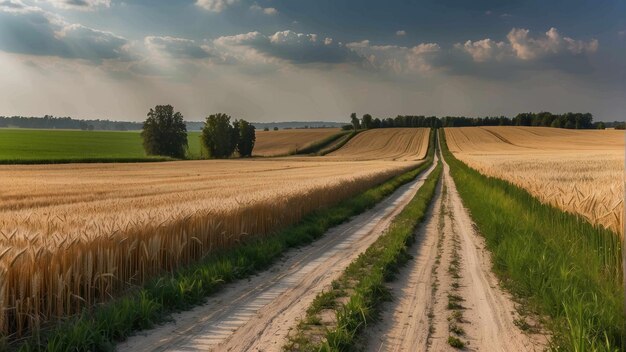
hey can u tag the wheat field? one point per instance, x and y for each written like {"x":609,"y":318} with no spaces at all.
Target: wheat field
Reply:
{"x":284,"y":142}
{"x":580,"y":171}
{"x":73,"y":235}
{"x":386,"y":143}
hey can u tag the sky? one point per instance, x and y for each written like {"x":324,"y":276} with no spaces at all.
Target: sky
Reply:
{"x":302,"y":60}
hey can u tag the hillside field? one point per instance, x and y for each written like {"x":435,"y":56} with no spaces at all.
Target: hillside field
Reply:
{"x":387,"y":143}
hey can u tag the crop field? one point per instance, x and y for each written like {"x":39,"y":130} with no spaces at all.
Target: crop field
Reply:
{"x":283,"y":142}
{"x":80,"y":232}
{"x":388,"y":143}
{"x":578,"y":171}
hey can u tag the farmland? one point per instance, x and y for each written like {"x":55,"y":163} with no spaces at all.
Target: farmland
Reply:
{"x":82,"y":232}
{"x":578,"y":171}
{"x":283,"y":142}
{"x":174,"y":233}
{"x":390,"y":144}
{"x":41,"y":146}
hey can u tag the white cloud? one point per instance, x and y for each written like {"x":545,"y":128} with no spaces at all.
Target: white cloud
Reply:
{"x":397,"y":59}
{"x":176,"y":47}
{"x":523,"y":47}
{"x":401,"y":33}
{"x":527,"y":48}
{"x":483,"y":50}
{"x":84,"y":5}
{"x":215,"y":5}
{"x":270,"y":11}
{"x":291,"y":46}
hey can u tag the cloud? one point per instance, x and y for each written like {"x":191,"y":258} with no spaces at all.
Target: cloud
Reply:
{"x":84,"y":5}
{"x":176,"y":47}
{"x":270,"y":11}
{"x":483,"y":50}
{"x":30,"y":30}
{"x":527,"y":48}
{"x":215,"y":5}
{"x":297,"y":48}
{"x":401,"y":33}
{"x":521,"y":46}
{"x":397,"y":59}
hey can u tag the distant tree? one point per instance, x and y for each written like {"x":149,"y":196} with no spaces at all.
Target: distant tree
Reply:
{"x":366,"y":121}
{"x":347,"y":127}
{"x":266,"y":129}
{"x":164,"y":132}
{"x":275,"y":128}
{"x":246,"y":138}
{"x":355,"y":121}
{"x":556,"y":123}
{"x":376,"y":123}
{"x":601,"y":125}
{"x":218,"y":136}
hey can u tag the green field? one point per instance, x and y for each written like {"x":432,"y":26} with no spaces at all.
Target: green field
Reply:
{"x":39,"y":146}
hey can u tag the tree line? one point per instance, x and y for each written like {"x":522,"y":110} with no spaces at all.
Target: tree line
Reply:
{"x":368,"y":122}
{"x":165,"y":133}
{"x":544,"y":119}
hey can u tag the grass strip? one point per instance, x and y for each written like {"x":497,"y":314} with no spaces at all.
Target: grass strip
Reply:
{"x":362,"y":285}
{"x":315,"y":147}
{"x":99,"y":328}
{"x":340,"y":144}
{"x":556,"y":263}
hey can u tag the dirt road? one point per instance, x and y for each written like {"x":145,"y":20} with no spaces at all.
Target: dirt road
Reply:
{"x":448,"y":291}
{"x":256,"y":315}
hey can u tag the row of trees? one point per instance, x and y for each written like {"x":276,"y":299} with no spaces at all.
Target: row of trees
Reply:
{"x":165,"y":133}
{"x":68,"y":123}
{"x":546,"y":119}
{"x":368,"y":122}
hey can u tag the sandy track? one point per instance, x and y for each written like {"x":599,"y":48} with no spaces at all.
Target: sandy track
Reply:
{"x":419,"y":318}
{"x":256,"y":315}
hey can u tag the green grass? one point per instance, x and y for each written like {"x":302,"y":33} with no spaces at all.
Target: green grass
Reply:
{"x":559,"y":265}
{"x":321,"y":144}
{"x":99,"y":328}
{"x":343,"y":142}
{"x":365,"y":277}
{"x":29,"y":146}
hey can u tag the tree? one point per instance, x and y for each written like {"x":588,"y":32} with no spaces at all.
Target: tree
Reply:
{"x":266,"y":129}
{"x":164,"y":132}
{"x":219,"y":137}
{"x":247,"y":137}
{"x":601,"y":125}
{"x":366,"y":121}
{"x":275,"y":128}
{"x":355,"y":121}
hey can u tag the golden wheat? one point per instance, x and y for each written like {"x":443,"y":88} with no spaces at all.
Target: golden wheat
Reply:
{"x":386,"y":143}
{"x":580,"y":171}
{"x":283,"y":142}
{"x":74,"y":235}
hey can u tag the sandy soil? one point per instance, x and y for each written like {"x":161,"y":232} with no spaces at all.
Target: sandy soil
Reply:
{"x":420,"y":319}
{"x":256,"y":315}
